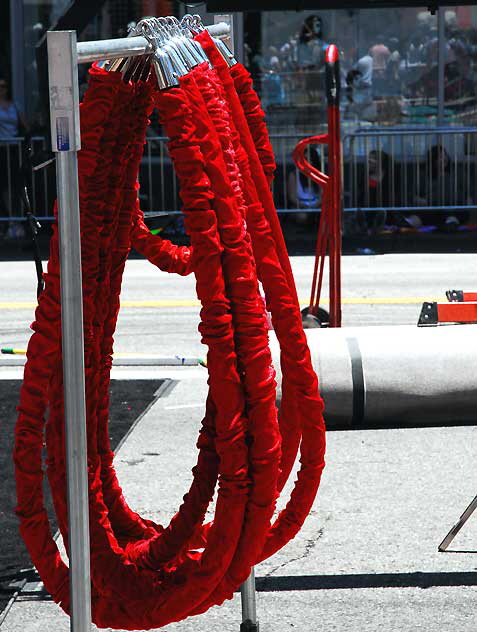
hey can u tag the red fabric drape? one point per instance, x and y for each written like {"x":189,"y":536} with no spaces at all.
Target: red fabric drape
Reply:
{"x":161,"y":252}
{"x":107,"y":559}
{"x":305,"y":403}
{"x":255,"y":118}
{"x":144,"y":575}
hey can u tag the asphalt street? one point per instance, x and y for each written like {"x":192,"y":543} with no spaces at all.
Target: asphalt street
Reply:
{"x":159,"y":311}
{"x":366,"y":558}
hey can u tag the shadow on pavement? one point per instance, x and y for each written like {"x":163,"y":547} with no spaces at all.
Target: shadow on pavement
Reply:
{"x":365,"y":580}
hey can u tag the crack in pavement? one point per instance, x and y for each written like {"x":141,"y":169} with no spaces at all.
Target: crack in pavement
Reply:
{"x":309,"y":546}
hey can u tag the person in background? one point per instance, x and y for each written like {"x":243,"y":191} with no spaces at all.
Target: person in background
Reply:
{"x":381,"y":55}
{"x":441,"y":189}
{"x":415,"y":51}
{"x":311,"y":51}
{"x":359,"y":81}
{"x":273,"y":92}
{"x":12,"y":122}
{"x":12,"y":126}
{"x":311,"y":45}
{"x":377,"y":192}
{"x":302,"y":192}
{"x":393,"y":67}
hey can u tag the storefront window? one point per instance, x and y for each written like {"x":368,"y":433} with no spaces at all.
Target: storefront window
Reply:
{"x":461,"y":65}
{"x":38,"y":16}
{"x":389,"y":66}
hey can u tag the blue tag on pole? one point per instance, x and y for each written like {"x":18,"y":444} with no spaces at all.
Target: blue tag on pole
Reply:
{"x":62,"y":133}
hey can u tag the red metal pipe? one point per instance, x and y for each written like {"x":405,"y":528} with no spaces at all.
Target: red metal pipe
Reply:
{"x":334,"y":168}
{"x":329,"y":232}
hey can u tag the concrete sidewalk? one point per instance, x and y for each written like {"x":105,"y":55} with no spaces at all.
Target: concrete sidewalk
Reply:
{"x":367,"y":556}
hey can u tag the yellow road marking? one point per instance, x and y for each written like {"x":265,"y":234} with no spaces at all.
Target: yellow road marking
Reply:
{"x":164,"y":303}
{"x":17,"y":305}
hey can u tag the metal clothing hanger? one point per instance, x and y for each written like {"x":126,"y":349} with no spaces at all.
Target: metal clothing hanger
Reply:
{"x":180,"y":57}
{"x":187,"y":28}
{"x":195,"y":25}
{"x":166,"y":71}
{"x":179,"y":34}
{"x":175,"y":51}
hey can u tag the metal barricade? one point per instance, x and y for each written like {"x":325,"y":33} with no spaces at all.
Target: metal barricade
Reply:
{"x":287,"y":176}
{"x":159,"y":189}
{"x":13,"y":170}
{"x":426,"y":171}
{"x":10,"y":167}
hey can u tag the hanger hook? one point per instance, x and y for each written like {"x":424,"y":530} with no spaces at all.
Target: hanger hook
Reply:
{"x":197,"y":23}
{"x":186,"y":22}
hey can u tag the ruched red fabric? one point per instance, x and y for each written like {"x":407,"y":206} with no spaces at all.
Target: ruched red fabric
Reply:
{"x":300,"y":383}
{"x":198,"y":574}
{"x":291,"y":338}
{"x":161,"y":252}
{"x":289,"y":410}
{"x":144,"y":575}
{"x":258,"y":175}
{"x":255,"y":118}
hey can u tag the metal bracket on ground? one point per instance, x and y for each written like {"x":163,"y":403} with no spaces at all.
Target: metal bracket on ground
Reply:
{"x":455,"y":296}
{"x":428,"y":315}
{"x":458,"y":296}
{"x":453,"y":312}
{"x":458,"y":526}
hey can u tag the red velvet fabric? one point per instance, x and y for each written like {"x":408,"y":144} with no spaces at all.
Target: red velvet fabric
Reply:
{"x":161,"y":252}
{"x":265,"y":440}
{"x":288,"y":329}
{"x":43,"y":363}
{"x":249,"y":325}
{"x":304,"y":402}
{"x":99,"y":199}
{"x":255,"y":118}
{"x":171,"y":593}
{"x":143,"y":575}
{"x":258,"y":175}
{"x":288,"y":414}
{"x":129,"y":126}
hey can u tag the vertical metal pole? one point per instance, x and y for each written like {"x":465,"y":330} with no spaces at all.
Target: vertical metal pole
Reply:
{"x":237,"y":20}
{"x":334,"y":170}
{"x":441,"y":64}
{"x":249,"y":605}
{"x":230,"y":40}
{"x":65,"y":132}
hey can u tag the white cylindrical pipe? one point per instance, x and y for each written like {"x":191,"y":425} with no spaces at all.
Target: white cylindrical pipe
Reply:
{"x":395,"y":375}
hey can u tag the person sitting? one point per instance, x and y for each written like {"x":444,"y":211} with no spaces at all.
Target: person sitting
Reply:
{"x":303,"y":193}
{"x":441,"y":188}
{"x":376,"y":192}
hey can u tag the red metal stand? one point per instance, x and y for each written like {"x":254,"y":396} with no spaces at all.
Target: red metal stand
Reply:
{"x":458,"y":296}
{"x":329,"y":231}
{"x":461,"y":308}
{"x":436,"y":313}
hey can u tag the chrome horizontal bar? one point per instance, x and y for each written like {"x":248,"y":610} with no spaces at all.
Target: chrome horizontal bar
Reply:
{"x":112,"y":49}
{"x":129,"y":46}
